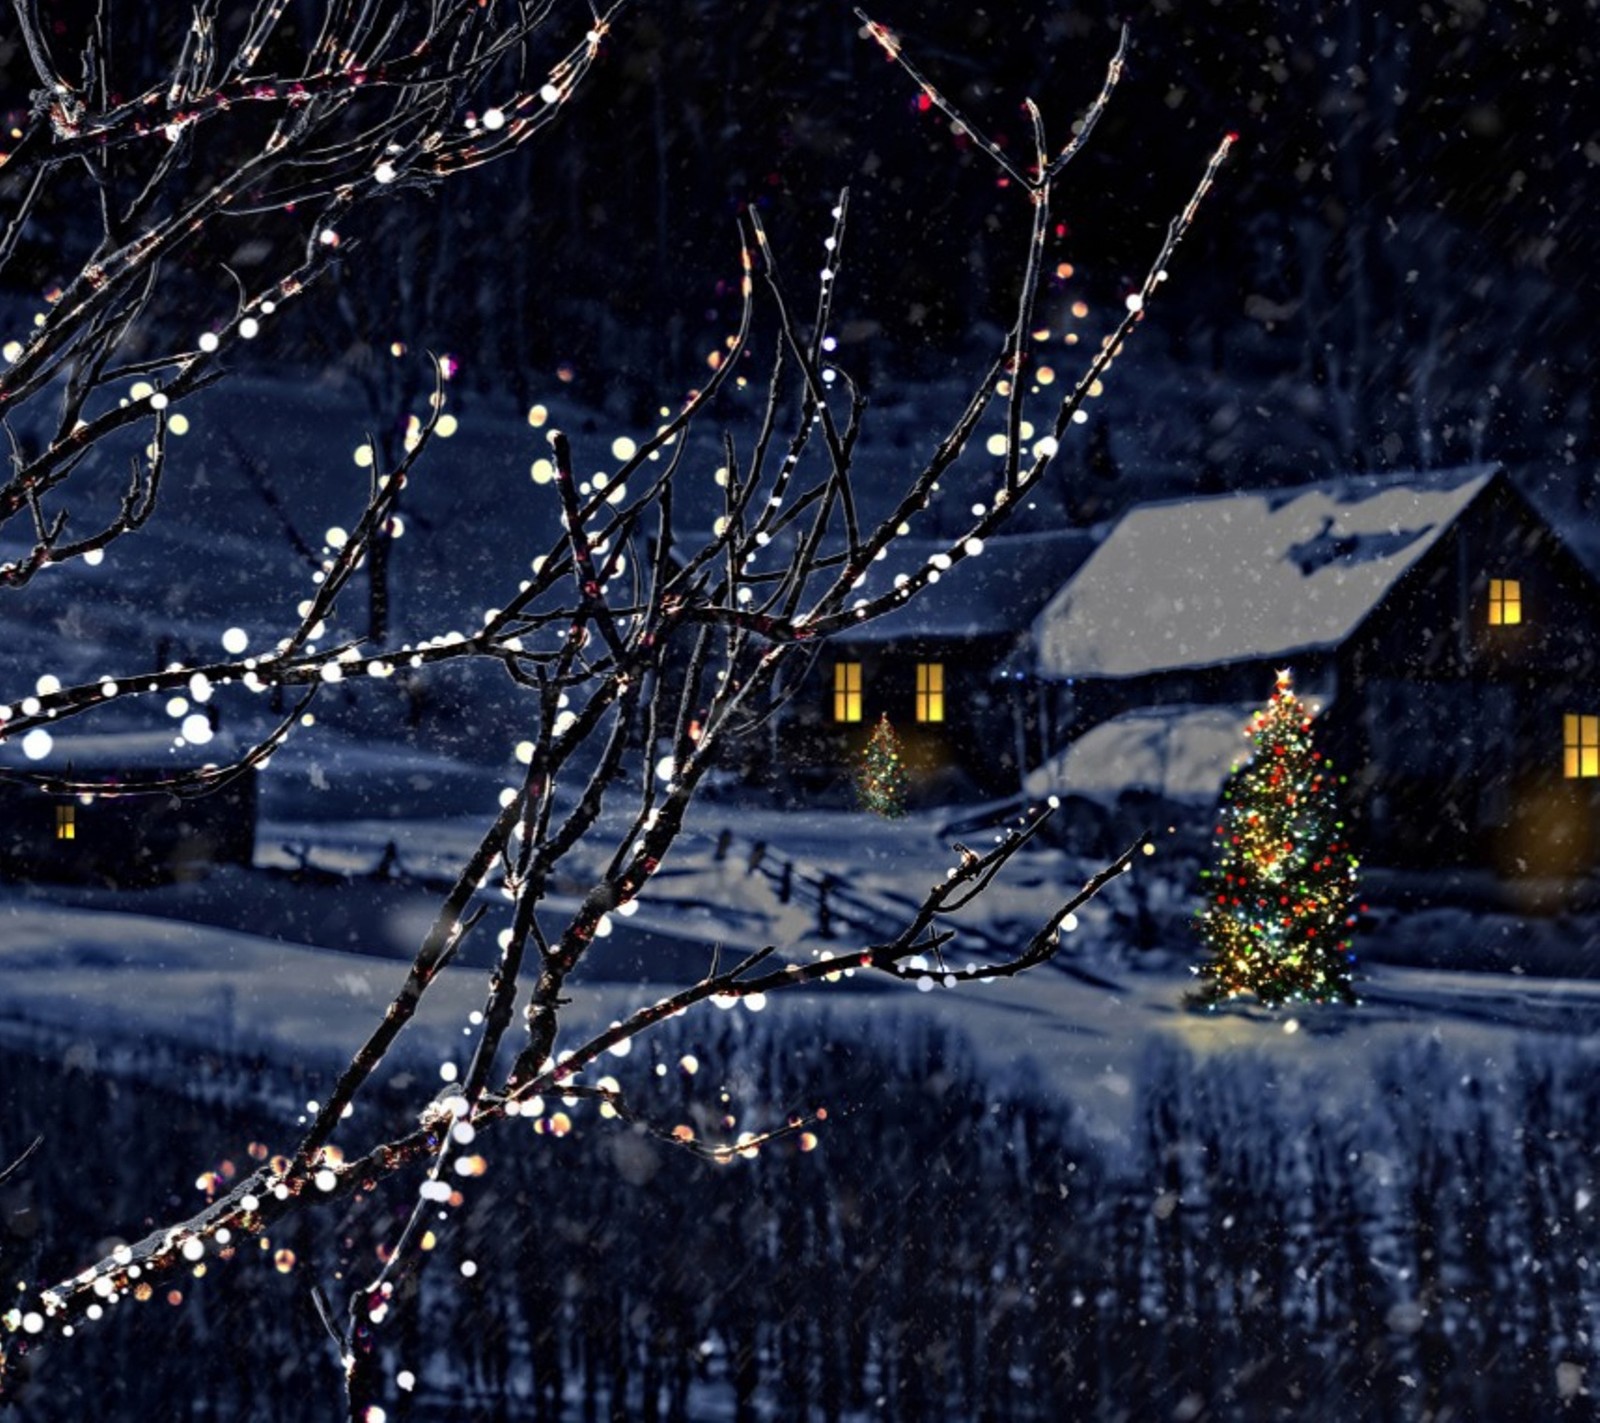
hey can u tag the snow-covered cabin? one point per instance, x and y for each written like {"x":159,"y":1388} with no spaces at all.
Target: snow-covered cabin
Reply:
{"x":1141,"y":770}
{"x":947,"y":670}
{"x":127,"y":835}
{"x":1450,"y":636}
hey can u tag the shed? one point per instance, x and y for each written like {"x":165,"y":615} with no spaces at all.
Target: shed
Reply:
{"x":1140,"y":772}
{"x":125,"y":835}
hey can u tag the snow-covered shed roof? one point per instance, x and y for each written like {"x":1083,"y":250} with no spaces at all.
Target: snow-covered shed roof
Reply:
{"x":98,"y":753}
{"x":1203,"y":582}
{"x":1183,"y":753}
{"x":988,"y":594}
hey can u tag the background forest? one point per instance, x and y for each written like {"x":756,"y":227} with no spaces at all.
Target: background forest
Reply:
{"x":1405,"y":275}
{"x":957,"y":1249}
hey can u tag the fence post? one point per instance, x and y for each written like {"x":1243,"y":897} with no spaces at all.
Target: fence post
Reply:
{"x":824,"y":915}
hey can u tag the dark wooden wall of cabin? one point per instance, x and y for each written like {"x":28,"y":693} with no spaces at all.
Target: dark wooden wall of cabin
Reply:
{"x":126,"y":840}
{"x":1450,"y":729}
{"x":971,"y":754}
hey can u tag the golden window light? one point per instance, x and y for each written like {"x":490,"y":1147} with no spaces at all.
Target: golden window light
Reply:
{"x":66,"y":822}
{"x":1505,"y":602}
{"x":930,"y":691}
{"x":1580,"y":737}
{"x":847,"y":691}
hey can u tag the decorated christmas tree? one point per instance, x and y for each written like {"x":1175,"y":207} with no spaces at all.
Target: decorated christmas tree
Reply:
{"x":881,"y":776}
{"x":1277,"y":914}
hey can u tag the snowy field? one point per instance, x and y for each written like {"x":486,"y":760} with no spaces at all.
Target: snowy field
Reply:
{"x":1406,"y":1183}
{"x":298,"y":967}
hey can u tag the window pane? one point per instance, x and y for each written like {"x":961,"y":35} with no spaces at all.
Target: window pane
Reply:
{"x":930,"y":691}
{"x":1505,"y":602}
{"x":1580,"y":736}
{"x":847,"y":691}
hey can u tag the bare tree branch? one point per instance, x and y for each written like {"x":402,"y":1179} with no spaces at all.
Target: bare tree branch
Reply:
{"x":636,"y":684}
{"x":8,"y":1172}
{"x":374,"y":110}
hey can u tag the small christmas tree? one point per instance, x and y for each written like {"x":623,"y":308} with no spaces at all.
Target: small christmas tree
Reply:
{"x":881,"y":776}
{"x":1278,"y":907}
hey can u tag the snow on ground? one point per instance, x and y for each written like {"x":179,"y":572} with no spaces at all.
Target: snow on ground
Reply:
{"x":302,"y":965}
{"x":90,"y":964}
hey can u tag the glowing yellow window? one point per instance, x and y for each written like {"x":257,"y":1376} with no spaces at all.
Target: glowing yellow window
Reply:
{"x":847,"y":691}
{"x":930,"y":691}
{"x":1505,"y":602}
{"x":1581,"y":737}
{"x":66,"y":822}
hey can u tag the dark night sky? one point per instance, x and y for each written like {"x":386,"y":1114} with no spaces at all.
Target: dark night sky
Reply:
{"x":1404,"y":225}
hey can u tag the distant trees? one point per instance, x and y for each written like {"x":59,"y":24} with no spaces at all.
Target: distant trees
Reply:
{"x":1416,"y":284}
{"x":221,"y":165}
{"x":1267,"y":1245}
{"x":1404,"y":280}
{"x":640,"y":653}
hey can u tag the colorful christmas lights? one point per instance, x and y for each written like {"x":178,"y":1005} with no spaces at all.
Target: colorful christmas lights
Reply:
{"x":1278,"y":909}
{"x":881,"y":777}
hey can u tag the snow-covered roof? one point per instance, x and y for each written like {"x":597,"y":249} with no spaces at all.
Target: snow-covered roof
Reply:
{"x":147,"y":752}
{"x":988,"y":594}
{"x":1202,"y":582}
{"x":1183,"y":753}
